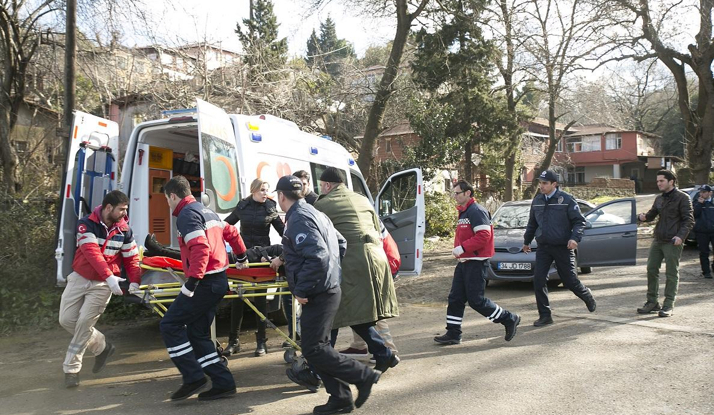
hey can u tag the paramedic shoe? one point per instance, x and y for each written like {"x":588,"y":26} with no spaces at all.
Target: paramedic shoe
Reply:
{"x":101,"y":359}
{"x":649,"y":307}
{"x":304,"y":378}
{"x":384,"y":365}
{"x":511,"y":327}
{"x":708,"y":276}
{"x":352,"y":352}
{"x":188,"y":389}
{"x":71,"y":380}
{"x":447,"y":339}
{"x":666,"y":312}
{"x":543,"y":321}
{"x":233,"y":347}
{"x":590,"y":302}
{"x":365,"y":388}
{"x":334,"y":406}
{"x":262,"y":348}
{"x":216,"y":393}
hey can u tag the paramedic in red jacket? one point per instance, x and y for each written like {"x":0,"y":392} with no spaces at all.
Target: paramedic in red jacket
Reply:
{"x":104,"y":241}
{"x":186,"y":325}
{"x":473,"y":246}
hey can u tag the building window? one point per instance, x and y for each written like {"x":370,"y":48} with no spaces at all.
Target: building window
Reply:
{"x":575,"y":145}
{"x":576,"y":175}
{"x":583,"y":144}
{"x":559,"y":146}
{"x":137,"y":119}
{"x":21,"y":147}
{"x":388,"y":145}
{"x":613,"y":141}
{"x":121,"y":62}
{"x":140,"y":69}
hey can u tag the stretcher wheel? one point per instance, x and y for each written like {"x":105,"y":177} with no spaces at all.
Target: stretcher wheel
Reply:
{"x":289,"y":355}
{"x":298,"y":364}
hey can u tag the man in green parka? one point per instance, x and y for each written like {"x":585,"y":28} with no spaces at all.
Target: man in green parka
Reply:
{"x":367,"y":288}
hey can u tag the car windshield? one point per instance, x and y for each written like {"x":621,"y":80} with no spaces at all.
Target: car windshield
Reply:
{"x":511,"y":217}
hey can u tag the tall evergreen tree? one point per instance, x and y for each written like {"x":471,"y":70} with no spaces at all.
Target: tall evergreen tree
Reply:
{"x":328,"y":52}
{"x":261,"y":46}
{"x":453,"y":65}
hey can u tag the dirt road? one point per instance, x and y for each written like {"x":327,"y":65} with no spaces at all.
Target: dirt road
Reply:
{"x":612,"y":361}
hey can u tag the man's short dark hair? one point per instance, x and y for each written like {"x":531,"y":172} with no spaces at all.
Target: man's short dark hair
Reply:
{"x":178,"y":186}
{"x":293,"y":195}
{"x":668,"y":175}
{"x":465,"y":186}
{"x":302,"y":174}
{"x":115,"y":198}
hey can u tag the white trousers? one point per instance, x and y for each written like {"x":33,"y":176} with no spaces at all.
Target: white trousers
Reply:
{"x":83,"y":302}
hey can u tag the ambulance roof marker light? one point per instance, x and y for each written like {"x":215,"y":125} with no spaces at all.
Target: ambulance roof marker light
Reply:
{"x":313,"y":151}
{"x":351,"y":161}
{"x":326,"y":137}
{"x":251,"y":126}
{"x":256,"y":137}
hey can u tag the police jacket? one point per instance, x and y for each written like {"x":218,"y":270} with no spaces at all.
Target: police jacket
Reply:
{"x":554,"y":221}
{"x":101,"y":249}
{"x":202,"y":237}
{"x":474,"y":232}
{"x":312,"y":249}
{"x":674,"y":209}
{"x":255,"y":220}
{"x":703,"y":215}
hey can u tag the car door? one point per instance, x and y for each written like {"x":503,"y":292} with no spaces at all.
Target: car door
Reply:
{"x":610,"y":236}
{"x":400,"y":205}
{"x":91,"y":172}
{"x":220,"y":188}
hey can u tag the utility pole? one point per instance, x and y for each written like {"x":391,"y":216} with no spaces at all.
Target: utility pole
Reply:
{"x":70,"y":58}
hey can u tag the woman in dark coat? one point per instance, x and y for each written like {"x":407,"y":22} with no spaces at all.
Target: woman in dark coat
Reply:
{"x":256,"y":214}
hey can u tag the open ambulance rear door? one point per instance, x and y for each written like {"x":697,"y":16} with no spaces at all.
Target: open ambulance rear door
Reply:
{"x":220,"y":188}
{"x":400,"y":205}
{"x":90,"y":174}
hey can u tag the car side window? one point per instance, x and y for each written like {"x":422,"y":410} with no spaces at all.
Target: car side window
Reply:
{"x":617,"y":213}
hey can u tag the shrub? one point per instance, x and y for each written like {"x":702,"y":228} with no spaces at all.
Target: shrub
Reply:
{"x":27,"y":239}
{"x":440,"y":214}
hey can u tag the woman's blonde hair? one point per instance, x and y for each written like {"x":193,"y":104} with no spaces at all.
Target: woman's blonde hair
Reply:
{"x":257,"y":184}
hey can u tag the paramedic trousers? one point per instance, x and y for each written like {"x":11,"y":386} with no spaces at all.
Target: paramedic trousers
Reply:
{"x":83,"y":302}
{"x":383,"y":331}
{"x":336,"y":371}
{"x":565,"y":263}
{"x":186,"y":331}
{"x":469,"y":286}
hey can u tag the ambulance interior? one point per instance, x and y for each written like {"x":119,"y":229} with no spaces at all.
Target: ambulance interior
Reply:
{"x":171,"y":151}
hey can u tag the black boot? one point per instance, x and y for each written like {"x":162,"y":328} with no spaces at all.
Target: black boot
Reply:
{"x":233,"y":346}
{"x":262,"y":348}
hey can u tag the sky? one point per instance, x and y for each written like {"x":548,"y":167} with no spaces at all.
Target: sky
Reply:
{"x":215,"y":20}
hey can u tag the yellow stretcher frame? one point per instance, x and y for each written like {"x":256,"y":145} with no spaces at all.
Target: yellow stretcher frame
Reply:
{"x":156,"y":295}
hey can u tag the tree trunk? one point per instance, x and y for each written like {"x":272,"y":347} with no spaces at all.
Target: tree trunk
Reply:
{"x":699,"y":144}
{"x":10,"y":161}
{"x":468,"y":162}
{"x":510,"y":164}
{"x":386,"y":88}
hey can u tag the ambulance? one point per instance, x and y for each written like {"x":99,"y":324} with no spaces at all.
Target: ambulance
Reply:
{"x":220,"y":155}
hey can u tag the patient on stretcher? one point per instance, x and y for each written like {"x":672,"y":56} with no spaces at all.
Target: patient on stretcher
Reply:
{"x":162,"y":256}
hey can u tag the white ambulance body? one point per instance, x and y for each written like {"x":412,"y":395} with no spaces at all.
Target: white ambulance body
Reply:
{"x":220,"y":155}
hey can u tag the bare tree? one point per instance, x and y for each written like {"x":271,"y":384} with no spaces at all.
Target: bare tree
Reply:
{"x":653,"y":31}
{"x":565,"y":33}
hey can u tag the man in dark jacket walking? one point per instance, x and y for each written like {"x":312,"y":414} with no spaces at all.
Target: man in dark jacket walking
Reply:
{"x":704,"y":226}
{"x":674,"y":209}
{"x":313,"y":249}
{"x":557,"y":225}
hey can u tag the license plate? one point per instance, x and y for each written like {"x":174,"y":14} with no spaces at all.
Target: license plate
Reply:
{"x":514,"y":265}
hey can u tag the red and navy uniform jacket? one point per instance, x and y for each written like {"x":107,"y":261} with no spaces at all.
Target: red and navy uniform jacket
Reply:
{"x":202,"y":236}
{"x":474,"y":232}
{"x":391,"y":249}
{"x":101,"y":248}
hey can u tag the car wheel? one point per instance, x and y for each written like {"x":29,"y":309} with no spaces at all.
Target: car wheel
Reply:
{"x":585,"y":270}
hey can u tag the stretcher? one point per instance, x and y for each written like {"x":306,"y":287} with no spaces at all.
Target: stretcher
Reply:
{"x":257,"y":280}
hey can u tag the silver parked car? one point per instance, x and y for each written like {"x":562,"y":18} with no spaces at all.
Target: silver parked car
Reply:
{"x":609,"y":239}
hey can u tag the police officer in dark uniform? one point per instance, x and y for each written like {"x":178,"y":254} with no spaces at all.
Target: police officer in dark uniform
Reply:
{"x":704,"y":226}
{"x":557,"y":225}
{"x":312,"y":249}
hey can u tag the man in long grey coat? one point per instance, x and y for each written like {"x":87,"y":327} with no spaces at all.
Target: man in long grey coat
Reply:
{"x":367,"y":288}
